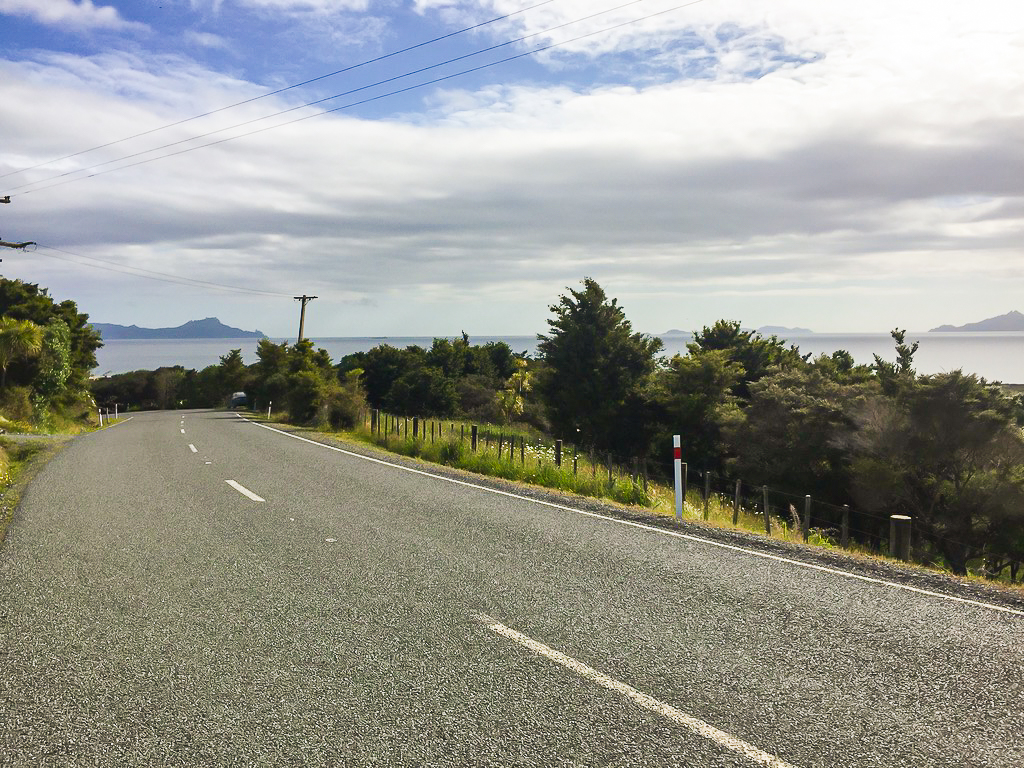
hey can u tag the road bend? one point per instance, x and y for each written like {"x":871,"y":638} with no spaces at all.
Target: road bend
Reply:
{"x":193,"y":589}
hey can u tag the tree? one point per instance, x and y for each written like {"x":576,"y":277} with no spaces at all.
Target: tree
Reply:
{"x":947,"y":452}
{"x":18,"y":339}
{"x":756,"y":354}
{"x":597,"y":371}
{"x":232,"y":371}
{"x":899,"y":376}
{"x":792,"y":431}
{"x":423,"y":391}
{"x":27,"y":301}
{"x":54,"y":367}
{"x":512,"y":399}
{"x":382,"y":366}
{"x":695,"y":395}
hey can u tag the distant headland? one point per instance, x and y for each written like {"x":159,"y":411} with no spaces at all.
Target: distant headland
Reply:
{"x":208,"y":328}
{"x":1011,"y":321}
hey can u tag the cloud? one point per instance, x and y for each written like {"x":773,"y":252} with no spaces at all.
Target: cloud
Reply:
{"x":81,"y":15}
{"x":206,"y":40}
{"x":878,"y":156}
{"x":304,"y":6}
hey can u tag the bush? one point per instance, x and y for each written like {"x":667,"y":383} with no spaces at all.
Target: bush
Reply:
{"x":16,"y":403}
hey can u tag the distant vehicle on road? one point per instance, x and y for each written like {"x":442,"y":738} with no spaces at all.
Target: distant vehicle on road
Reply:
{"x":239,"y":400}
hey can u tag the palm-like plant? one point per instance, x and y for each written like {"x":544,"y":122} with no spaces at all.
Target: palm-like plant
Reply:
{"x":18,"y":338}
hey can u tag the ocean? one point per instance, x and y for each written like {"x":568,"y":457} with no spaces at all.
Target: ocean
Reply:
{"x":996,"y":356}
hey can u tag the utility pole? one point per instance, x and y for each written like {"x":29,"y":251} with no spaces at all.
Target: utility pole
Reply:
{"x":30,"y":246}
{"x":302,"y":315}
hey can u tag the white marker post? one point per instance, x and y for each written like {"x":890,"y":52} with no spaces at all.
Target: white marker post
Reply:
{"x":677,"y":460}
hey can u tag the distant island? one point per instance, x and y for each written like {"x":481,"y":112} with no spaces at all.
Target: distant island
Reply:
{"x":781,"y":330}
{"x":764,"y":330}
{"x":1011,"y":321}
{"x":208,"y":328}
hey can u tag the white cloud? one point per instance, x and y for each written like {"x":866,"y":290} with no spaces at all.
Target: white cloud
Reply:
{"x":885,"y":162}
{"x":82,"y":14}
{"x":318,"y":6}
{"x":206,"y":40}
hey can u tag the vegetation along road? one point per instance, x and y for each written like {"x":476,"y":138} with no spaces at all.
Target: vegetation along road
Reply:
{"x":192,"y":588}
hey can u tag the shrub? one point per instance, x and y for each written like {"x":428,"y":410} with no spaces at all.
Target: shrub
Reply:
{"x":16,"y":403}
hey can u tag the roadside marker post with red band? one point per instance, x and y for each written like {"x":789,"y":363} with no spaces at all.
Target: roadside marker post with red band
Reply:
{"x":677,"y":460}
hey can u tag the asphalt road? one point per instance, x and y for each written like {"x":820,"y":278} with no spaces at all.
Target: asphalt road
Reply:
{"x":153,"y":614}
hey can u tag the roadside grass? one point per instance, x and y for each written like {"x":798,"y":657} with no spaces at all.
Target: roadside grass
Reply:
{"x":504,"y":455}
{"x":19,"y":463}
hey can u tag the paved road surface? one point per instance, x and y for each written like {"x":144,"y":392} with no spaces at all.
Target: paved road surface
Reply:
{"x":153,"y":614}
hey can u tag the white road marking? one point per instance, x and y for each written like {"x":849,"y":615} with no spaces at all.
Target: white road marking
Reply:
{"x":192,"y":448}
{"x":244,"y":491}
{"x":642,"y":700}
{"x":183,"y":431}
{"x":654,"y":529}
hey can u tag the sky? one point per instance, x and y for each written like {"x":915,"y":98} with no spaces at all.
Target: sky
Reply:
{"x":843,"y":166}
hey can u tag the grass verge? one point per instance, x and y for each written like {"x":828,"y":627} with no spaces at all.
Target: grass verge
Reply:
{"x":20,"y":461}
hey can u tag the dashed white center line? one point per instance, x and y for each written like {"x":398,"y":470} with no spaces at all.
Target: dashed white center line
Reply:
{"x":642,"y":700}
{"x":183,"y":431}
{"x":244,"y":491}
{"x":192,"y":448}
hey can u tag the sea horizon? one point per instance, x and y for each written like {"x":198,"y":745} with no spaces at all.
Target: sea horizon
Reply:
{"x":995,"y":355}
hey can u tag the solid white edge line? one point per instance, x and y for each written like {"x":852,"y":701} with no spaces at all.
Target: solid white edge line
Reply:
{"x":192,"y":448}
{"x":643,"y":700}
{"x":654,"y":529}
{"x":118,"y":423}
{"x":244,"y":491}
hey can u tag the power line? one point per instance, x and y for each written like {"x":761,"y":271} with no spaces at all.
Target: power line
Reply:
{"x":150,"y":274}
{"x":308,"y":104}
{"x":280,"y":90}
{"x":350,"y":105}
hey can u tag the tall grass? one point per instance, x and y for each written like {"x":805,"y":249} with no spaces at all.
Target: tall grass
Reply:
{"x":531,"y":460}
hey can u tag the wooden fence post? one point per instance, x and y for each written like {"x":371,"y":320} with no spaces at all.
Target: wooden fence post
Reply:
{"x":767,"y":516}
{"x":736,"y":504}
{"x":558,"y":453}
{"x":522,"y":451}
{"x":473,"y":438}
{"x":643,"y":467}
{"x":707,"y":494}
{"x":844,"y":535}
{"x":501,"y":443}
{"x":899,"y":537}
{"x":807,"y":517}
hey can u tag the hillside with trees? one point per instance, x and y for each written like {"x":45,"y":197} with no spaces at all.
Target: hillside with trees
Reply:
{"x":47,"y":350}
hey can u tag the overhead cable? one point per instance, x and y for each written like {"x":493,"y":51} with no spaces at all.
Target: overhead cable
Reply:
{"x":280,"y":90}
{"x":350,"y":105}
{"x":150,"y":274}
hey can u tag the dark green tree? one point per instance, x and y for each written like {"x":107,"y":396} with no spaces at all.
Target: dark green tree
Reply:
{"x":27,"y":301}
{"x":597,"y":372}
{"x":695,"y":395}
{"x":791,"y":433}
{"x":423,"y":391}
{"x":947,"y":452}
{"x":758,"y":355}
{"x":233,"y":373}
